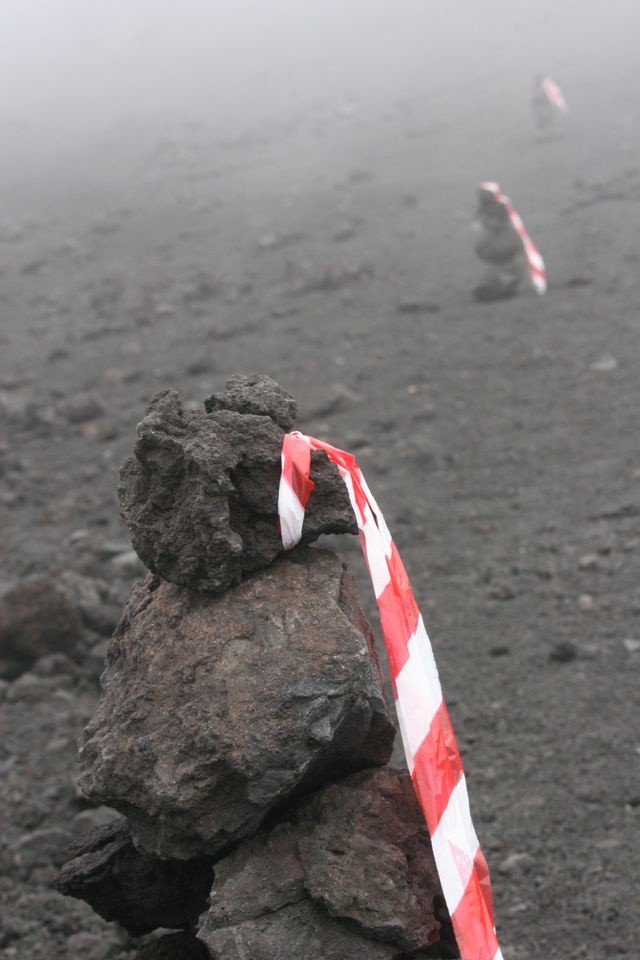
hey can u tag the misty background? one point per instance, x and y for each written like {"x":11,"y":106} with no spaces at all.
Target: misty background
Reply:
{"x":74,"y":72}
{"x":144,"y":106}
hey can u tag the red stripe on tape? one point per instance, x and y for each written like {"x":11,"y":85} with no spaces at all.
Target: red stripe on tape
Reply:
{"x":296,"y":467}
{"x":395,"y":627}
{"x":473,"y":924}
{"x":437,"y":768}
{"x":482,"y":871}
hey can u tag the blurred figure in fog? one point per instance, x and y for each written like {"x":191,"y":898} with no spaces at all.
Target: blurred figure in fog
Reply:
{"x":500,"y":247}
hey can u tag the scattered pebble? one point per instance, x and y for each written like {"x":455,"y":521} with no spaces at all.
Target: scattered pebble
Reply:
{"x":501,"y":591}
{"x":619,"y":512}
{"x":585,"y":601}
{"x":199,"y":366}
{"x":345,"y":231}
{"x":609,"y":843}
{"x":516,"y":863}
{"x":589,"y":561}
{"x":631,"y":645}
{"x":417,"y":307}
{"x":36,"y":618}
{"x":516,"y":908}
{"x":29,"y":688}
{"x":563,"y":652}
{"x":274,"y":241}
{"x":337,"y":399}
{"x":82,"y":407}
{"x":54,"y":664}
{"x":40,"y":848}
{"x":604,"y":364}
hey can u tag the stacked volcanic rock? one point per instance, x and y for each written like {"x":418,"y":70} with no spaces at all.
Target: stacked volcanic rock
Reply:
{"x":242,"y":729}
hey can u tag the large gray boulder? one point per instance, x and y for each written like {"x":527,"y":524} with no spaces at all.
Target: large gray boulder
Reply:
{"x":348,"y":875}
{"x":200,"y":493}
{"x":216,"y":710}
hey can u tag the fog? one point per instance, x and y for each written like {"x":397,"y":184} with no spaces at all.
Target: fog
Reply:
{"x":75,"y":70}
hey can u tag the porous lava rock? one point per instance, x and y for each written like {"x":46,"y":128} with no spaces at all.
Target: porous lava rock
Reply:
{"x":256,"y":394}
{"x":140,"y":891}
{"x":200,"y":492}
{"x":36,"y":618}
{"x":348,"y":875}
{"x":217,"y":709}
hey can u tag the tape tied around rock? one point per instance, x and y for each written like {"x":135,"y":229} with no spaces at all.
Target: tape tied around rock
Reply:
{"x":433,"y":758}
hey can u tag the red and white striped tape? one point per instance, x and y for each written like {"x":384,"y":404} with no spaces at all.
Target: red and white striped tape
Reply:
{"x":554,"y":94}
{"x":535,"y":263}
{"x":430,"y":746}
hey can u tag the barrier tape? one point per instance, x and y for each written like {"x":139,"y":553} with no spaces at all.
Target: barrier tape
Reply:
{"x":535,"y":263}
{"x":430,"y":746}
{"x":554,"y":94}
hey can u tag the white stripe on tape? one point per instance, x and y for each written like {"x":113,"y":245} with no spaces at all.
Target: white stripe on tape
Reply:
{"x":376,"y":559}
{"x":419,"y":697}
{"x":455,"y":845}
{"x":291,"y":516}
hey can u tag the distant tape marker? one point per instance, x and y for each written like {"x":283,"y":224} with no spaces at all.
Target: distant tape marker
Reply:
{"x":535,"y":263}
{"x":554,"y":94}
{"x":430,"y":746}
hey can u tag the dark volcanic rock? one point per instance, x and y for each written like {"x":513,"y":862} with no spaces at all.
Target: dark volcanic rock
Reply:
{"x":301,"y":930}
{"x":140,"y":891}
{"x":216,"y":709}
{"x":349,"y":874}
{"x":255,"y":394}
{"x":200,"y":494}
{"x":36,"y":618}
{"x":174,"y":946}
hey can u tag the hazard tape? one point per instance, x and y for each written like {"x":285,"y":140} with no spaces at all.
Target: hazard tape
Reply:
{"x":430,"y":746}
{"x":554,"y":94}
{"x":535,"y":263}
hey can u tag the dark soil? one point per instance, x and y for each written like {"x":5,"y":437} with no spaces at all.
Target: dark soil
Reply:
{"x":331,"y":249}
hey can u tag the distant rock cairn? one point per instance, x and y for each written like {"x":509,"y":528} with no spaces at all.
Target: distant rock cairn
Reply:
{"x":242,"y":729}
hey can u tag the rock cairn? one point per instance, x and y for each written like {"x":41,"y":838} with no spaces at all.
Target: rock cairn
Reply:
{"x":242,"y":730}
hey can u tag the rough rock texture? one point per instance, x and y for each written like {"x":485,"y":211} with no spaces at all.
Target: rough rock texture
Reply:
{"x":255,"y":394}
{"x":349,"y":874}
{"x":36,"y":618}
{"x":216,"y":709}
{"x":200,"y":493}
{"x":301,"y":930}
{"x":141,"y":892}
